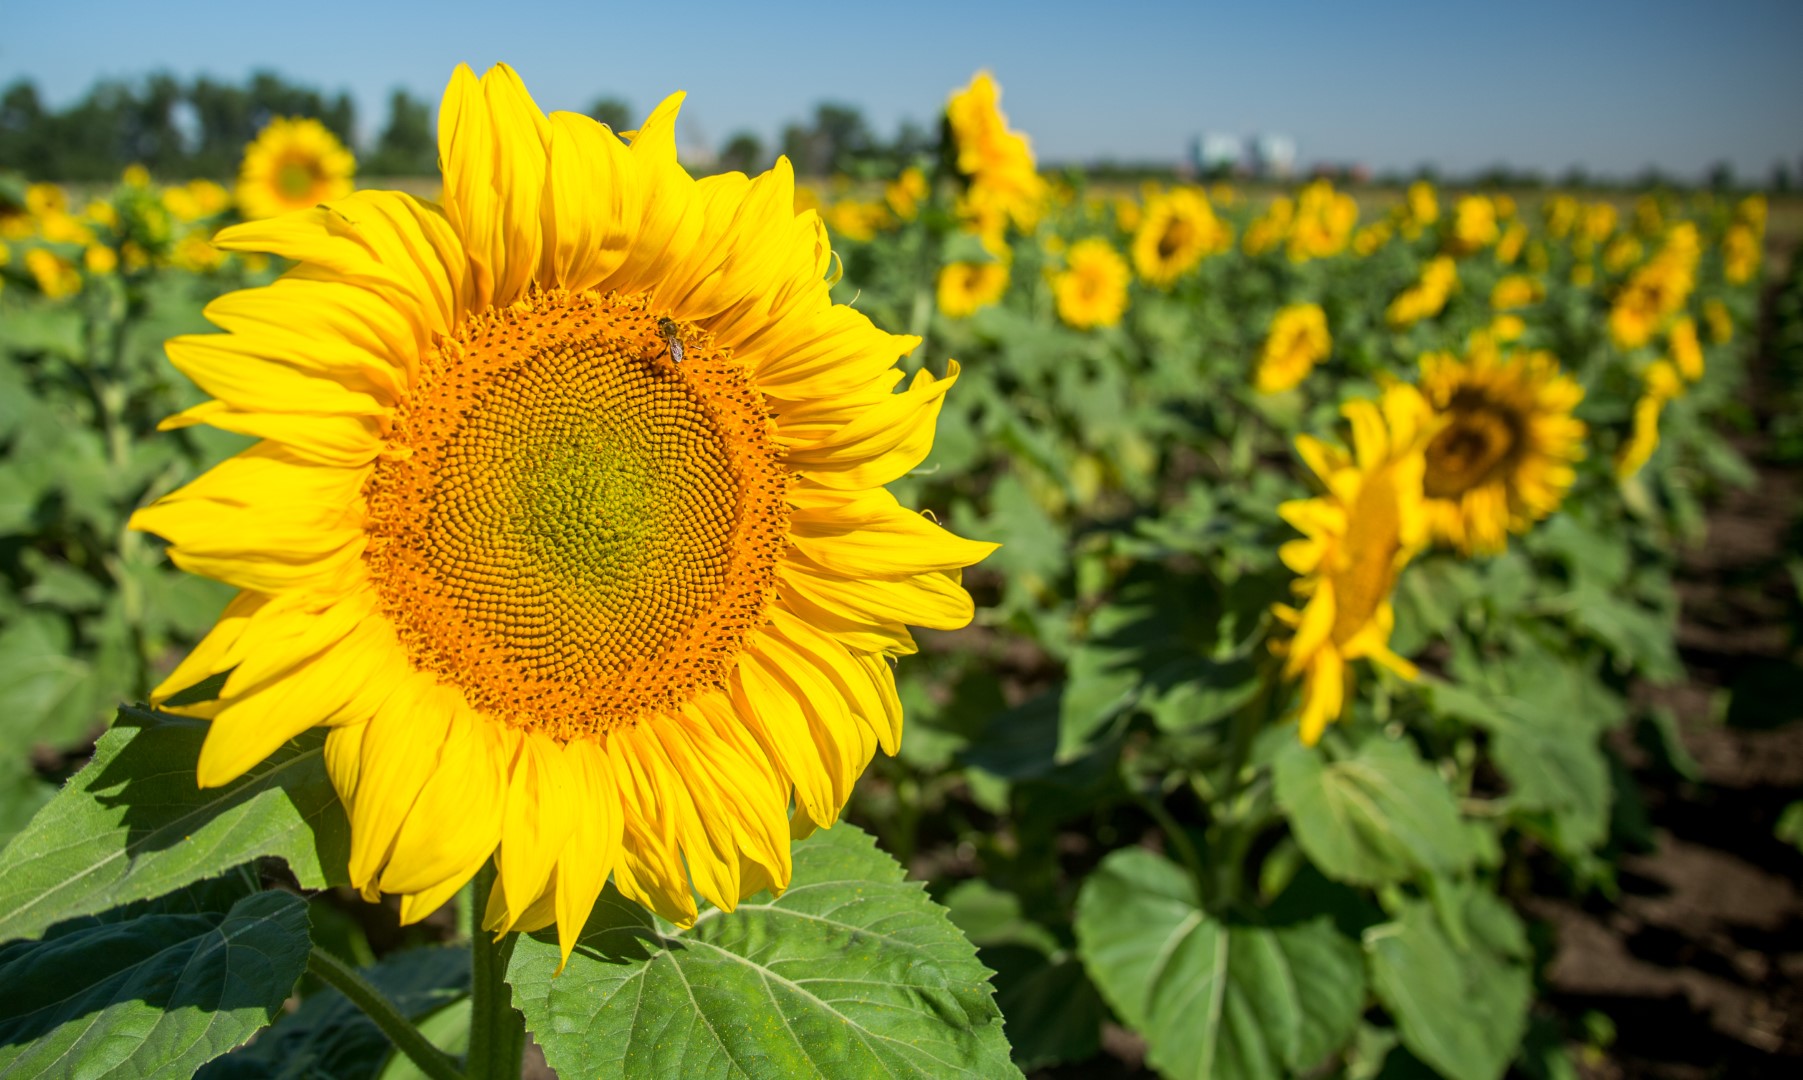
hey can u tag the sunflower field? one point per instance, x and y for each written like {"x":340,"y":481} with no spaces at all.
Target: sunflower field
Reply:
{"x":446,"y":638}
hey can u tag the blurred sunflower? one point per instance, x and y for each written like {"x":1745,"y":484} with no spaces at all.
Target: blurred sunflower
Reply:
{"x":1427,"y":297}
{"x":1004,"y":180}
{"x":1503,"y":459}
{"x":293,"y":164}
{"x":1686,"y":348}
{"x":1473,"y":224}
{"x":1297,"y":341}
{"x":567,"y":521}
{"x":1092,"y":289}
{"x":1660,"y":384}
{"x":966,"y":288}
{"x":1177,"y":230}
{"x":1357,"y":536}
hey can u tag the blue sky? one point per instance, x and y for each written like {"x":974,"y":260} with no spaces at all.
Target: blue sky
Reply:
{"x":1610,"y":86}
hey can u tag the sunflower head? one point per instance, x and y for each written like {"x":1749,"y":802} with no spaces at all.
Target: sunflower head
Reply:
{"x":1298,"y":340}
{"x":567,"y":519}
{"x":293,"y":164}
{"x":1092,"y":289}
{"x":1177,"y":230}
{"x":966,"y":288}
{"x":1357,"y":536}
{"x":1503,"y":457}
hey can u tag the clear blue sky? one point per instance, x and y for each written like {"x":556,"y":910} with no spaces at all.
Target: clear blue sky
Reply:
{"x":1611,"y":86}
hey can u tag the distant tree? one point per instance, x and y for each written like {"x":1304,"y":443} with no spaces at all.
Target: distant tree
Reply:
{"x":22,"y":127}
{"x":743,"y":152}
{"x":1721,"y":176}
{"x":1781,"y":178}
{"x":614,"y":112}
{"x":407,"y":146}
{"x":837,"y":137}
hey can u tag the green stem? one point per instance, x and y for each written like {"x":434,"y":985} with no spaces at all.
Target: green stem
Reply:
{"x":1177,"y":836}
{"x":1231,"y":834}
{"x":407,"y":1039}
{"x":497,"y":1030}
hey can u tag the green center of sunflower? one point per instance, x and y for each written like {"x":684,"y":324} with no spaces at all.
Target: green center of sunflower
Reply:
{"x":296,"y":179}
{"x":572,"y":526}
{"x":1475,"y":448}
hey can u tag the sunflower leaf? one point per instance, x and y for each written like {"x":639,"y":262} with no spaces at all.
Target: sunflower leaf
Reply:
{"x":851,"y":972}
{"x":1380,"y":815}
{"x":330,"y":1037}
{"x":1214,"y":999}
{"x":133,"y":825}
{"x":1459,"y":994}
{"x":157,"y":994}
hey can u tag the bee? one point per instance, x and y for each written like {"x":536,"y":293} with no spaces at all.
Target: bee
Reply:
{"x":673,"y":337}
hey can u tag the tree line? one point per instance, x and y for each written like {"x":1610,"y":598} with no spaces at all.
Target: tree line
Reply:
{"x":198,"y":128}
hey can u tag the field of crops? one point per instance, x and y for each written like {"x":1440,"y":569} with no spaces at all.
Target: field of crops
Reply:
{"x":1341,"y":664}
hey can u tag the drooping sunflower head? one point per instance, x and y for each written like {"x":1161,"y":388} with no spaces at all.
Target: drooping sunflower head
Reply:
{"x":1357,"y":536}
{"x":293,"y":164}
{"x":1092,"y":289}
{"x":567,"y":519}
{"x":1503,"y":458}
{"x":1298,"y":340}
{"x":1178,"y":229}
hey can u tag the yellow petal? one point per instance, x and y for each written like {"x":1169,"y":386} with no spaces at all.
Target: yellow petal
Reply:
{"x":877,"y":444}
{"x":593,"y":204}
{"x":494,"y":144}
{"x":871,"y":534}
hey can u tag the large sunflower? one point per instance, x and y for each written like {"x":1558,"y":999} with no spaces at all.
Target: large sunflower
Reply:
{"x":293,"y":164}
{"x":567,"y":521}
{"x":1504,"y":459}
{"x":1357,"y":536}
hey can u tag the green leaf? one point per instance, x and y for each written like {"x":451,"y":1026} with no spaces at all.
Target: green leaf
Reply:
{"x":329,"y":1038}
{"x":1379,"y":816}
{"x":155,"y":995}
{"x":132,"y":824}
{"x":1461,"y":1009}
{"x":851,"y":972}
{"x":1229,"y":1001}
{"x":46,"y":695}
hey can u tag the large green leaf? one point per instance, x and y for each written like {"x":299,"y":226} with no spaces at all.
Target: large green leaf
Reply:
{"x":159,"y":994}
{"x":1378,"y":816}
{"x":1213,"y":999}
{"x":1460,"y":996}
{"x":132,"y":824}
{"x":852,"y":972}
{"x":328,"y":1038}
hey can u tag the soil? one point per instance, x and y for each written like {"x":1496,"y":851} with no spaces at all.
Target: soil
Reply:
{"x":1698,"y":963}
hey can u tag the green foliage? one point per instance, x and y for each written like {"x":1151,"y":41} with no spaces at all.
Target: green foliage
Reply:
{"x":1215,"y":998}
{"x":1375,"y":816}
{"x":851,"y":972}
{"x":155,"y":989}
{"x":133,"y":825}
{"x":1453,"y":975}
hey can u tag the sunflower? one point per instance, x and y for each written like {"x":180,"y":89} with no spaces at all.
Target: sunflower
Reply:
{"x":1004,"y":181}
{"x":294,"y":164}
{"x":1504,"y":458}
{"x":1177,"y":230}
{"x":966,"y":288}
{"x":1297,"y":341}
{"x":1427,"y":297}
{"x":567,"y":519}
{"x":1357,"y":536}
{"x":1473,"y":224}
{"x":1092,"y":290}
{"x":1686,"y":348}
{"x":1661,"y":383}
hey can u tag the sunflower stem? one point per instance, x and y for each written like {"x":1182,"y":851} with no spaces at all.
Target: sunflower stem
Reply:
{"x":497,"y":1030}
{"x":408,"y":1039}
{"x":1231,"y":834}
